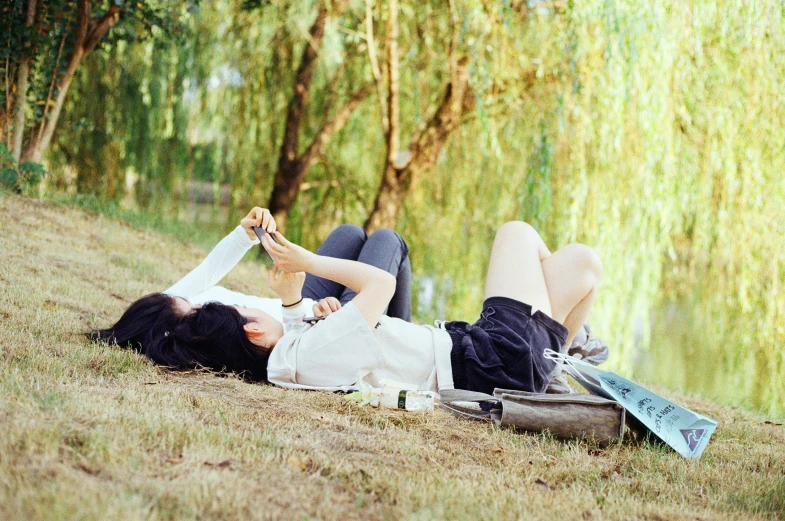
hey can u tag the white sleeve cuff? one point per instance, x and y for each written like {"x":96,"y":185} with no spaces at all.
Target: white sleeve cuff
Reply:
{"x":240,"y":234}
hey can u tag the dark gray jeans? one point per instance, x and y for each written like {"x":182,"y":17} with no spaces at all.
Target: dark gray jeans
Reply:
{"x":384,"y":249}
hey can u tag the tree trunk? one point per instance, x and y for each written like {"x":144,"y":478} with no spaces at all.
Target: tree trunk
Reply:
{"x":293,"y":165}
{"x":389,"y":199}
{"x":393,"y":96}
{"x":88,"y":33}
{"x":3,"y":122}
{"x":399,"y":176}
{"x":20,"y":104}
{"x":284,"y":190}
{"x":37,"y":144}
{"x":18,"y":127}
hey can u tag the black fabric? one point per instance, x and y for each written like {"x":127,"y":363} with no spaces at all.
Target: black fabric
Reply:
{"x":504,"y":348}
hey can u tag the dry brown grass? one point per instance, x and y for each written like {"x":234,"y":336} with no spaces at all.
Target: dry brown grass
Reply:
{"x":93,"y":432}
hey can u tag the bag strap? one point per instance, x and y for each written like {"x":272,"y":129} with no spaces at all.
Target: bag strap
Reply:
{"x":468,"y":404}
{"x":576,"y":367}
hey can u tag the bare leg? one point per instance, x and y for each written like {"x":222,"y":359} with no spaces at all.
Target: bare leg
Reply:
{"x":562,"y":285}
{"x":515,"y":269}
{"x":572,"y":275}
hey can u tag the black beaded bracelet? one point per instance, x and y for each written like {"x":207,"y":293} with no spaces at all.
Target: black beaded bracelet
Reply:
{"x":292,"y":305}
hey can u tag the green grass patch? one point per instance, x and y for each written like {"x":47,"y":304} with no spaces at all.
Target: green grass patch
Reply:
{"x":93,"y":432}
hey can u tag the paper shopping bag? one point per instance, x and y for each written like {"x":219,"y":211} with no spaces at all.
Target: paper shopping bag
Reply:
{"x":685,"y":431}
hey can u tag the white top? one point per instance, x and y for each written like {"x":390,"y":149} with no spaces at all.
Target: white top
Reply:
{"x":200,"y":285}
{"x":335,"y":352}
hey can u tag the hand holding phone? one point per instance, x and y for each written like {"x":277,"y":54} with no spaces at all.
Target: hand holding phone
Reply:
{"x":258,"y":217}
{"x":261,"y":232}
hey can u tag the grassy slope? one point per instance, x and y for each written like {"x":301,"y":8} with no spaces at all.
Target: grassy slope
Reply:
{"x":92,"y":432}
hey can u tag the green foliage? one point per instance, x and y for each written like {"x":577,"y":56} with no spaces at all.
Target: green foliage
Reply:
{"x":23,"y":178}
{"x":250,"y":5}
{"x":651,"y":131}
{"x":157,"y":20}
{"x":50,"y":47}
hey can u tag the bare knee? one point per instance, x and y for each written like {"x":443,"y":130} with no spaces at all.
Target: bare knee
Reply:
{"x":518,"y":231}
{"x":587,"y":260}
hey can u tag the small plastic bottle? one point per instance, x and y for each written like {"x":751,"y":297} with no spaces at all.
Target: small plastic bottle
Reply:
{"x":404,"y":399}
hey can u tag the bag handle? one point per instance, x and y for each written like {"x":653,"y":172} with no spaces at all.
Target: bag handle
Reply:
{"x":576,"y":367}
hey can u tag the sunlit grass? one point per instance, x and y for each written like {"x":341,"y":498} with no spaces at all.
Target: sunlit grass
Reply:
{"x":651,"y":131}
{"x":95,"y":432}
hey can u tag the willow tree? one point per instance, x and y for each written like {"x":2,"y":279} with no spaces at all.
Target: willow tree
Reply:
{"x":294,"y":163}
{"x":403,"y":168}
{"x":651,"y":131}
{"x":46,"y":44}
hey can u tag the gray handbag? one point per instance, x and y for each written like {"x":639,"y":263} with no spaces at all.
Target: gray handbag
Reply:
{"x":565,"y":416}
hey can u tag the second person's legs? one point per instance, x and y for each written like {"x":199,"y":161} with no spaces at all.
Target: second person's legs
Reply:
{"x":344,"y":242}
{"x":387,"y":250}
{"x":572,"y":275}
{"x":384,"y":249}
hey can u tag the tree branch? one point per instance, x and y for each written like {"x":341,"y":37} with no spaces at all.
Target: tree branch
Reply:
{"x":453,"y":56}
{"x":54,"y":78}
{"x":426,"y":148}
{"x":289,"y":172}
{"x":82,"y":23}
{"x":377,"y":75}
{"x":99,"y":27}
{"x":317,"y":147}
{"x":393,"y":99}
{"x":399,"y":176}
{"x":302,"y":87}
{"x":6,"y":129}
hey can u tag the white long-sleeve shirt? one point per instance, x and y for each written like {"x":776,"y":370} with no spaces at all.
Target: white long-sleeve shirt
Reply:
{"x":199,"y":286}
{"x":331,"y":354}
{"x":335,"y":352}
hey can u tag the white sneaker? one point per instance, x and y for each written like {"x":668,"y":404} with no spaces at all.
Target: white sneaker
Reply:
{"x":589,"y":348}
{"x":559,"y":385}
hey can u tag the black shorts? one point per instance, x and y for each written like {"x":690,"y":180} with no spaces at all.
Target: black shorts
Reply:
{"x":504,"y":348}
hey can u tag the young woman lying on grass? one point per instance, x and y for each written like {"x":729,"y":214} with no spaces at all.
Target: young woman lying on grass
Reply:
{"x":534,"y":299}
{"x":195,"y":322}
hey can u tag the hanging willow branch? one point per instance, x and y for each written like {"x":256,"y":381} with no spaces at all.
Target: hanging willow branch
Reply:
{"x":375,"y":70}
{"x":402,"y":169}
{"x":293,"y":165}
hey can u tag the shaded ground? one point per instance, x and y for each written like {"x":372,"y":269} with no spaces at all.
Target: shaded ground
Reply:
{"x":93,"y":432}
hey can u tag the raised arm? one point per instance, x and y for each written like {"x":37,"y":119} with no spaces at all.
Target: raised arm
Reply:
{"x":374,"y":287}
{"x":224,"y":257}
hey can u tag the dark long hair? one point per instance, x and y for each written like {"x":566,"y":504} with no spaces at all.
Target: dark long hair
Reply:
{"x":144,"y":320}
{"x":209,"y":336}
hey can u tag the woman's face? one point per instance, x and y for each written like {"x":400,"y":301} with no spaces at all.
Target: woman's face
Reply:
{"x":259,"y":320}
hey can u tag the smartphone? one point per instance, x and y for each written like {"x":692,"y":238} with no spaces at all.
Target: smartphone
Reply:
{"x":313,"y":320}
{"x":261,"y":232}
